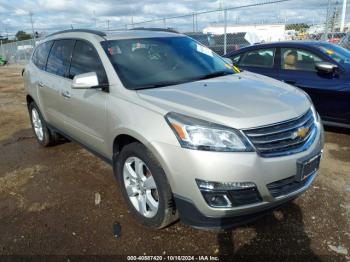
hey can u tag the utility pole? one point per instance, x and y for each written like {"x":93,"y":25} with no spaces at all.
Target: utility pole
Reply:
{"x":327,"y":17}
{"x":343,"y":15}
{"x":31,"y":21}
{"x":108,"y":25}
{"x":193,"y":22}
{"x":94,"y":18}
{"x":225,"y":31}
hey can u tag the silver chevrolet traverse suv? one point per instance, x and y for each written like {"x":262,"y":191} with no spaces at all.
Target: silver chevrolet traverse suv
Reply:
{"x":188,"y":136}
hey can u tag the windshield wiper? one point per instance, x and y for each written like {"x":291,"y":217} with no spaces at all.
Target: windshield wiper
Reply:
{"x":161,"y":84}
{"x":215,"y":74}
{"x":171,"y":83}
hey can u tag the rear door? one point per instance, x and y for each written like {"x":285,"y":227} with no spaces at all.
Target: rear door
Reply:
{"x":85,"y":109}
{"x":326,"y":91}
{"x":37,"y":74}
{"x":52,"y":81}
{"x":261,"y":61}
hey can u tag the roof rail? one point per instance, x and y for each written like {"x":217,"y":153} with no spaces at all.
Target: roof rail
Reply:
{"x":170,"y":30}
{"x":95,"y":32}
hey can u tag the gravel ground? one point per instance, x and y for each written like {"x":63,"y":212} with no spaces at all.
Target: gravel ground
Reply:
{"x":48,"y":203}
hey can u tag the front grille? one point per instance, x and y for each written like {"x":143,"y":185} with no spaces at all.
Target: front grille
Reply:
{"x":289,"y":137}
{"x":286,"y":186}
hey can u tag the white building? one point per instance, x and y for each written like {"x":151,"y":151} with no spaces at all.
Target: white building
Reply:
{"x":266,"y":33}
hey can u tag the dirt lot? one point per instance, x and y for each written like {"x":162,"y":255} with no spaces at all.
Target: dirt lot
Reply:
{"x":47,"y":203}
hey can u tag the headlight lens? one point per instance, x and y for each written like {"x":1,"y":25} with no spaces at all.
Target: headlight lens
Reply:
{"x":202,"y":135}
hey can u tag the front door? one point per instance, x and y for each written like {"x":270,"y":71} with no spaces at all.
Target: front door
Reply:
{"x":85,"y":109}
{"x":326,"y":91}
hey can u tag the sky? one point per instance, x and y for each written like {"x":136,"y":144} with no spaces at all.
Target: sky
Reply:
{"x":52,"y":15}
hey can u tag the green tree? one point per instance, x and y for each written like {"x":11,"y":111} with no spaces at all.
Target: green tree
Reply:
{"x":21,"y":35}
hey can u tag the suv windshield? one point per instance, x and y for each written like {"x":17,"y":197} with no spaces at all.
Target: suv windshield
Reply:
{"x":155,"y":62}
{"x":339,"y":54}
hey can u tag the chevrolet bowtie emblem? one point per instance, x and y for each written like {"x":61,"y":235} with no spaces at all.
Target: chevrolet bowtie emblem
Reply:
{"x":301,"y":132}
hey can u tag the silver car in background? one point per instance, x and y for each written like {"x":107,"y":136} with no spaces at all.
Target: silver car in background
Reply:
{"x":188,"y":136}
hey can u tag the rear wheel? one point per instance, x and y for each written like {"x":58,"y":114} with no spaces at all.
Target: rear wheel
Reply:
{"x":43,"y":134}
{"x":144,"y":187}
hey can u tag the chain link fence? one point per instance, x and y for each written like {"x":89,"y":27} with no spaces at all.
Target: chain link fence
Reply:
{"x":223,"y":30}
{"x":18,"y":52}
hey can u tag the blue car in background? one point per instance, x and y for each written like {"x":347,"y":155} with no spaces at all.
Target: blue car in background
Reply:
{"x":319,"y":68}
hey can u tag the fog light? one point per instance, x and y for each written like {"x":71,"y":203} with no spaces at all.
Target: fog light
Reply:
{"x":208,"y":185}
{"x":217,"y":199}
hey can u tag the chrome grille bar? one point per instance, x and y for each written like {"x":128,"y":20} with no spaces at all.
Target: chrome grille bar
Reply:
{"x":284,"y":138}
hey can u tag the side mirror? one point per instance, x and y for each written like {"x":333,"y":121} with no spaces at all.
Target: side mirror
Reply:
{"x":228,"y":61}
{"x":325,"y":67}
{"x":85,"y":81}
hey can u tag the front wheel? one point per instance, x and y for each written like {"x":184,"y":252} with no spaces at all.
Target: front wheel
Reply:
{"x":44,"y":136}
{"x":145,"y":187}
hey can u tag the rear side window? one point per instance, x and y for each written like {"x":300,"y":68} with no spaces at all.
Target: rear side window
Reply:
{"x":258,"y":58}
{"x":41,"y":53}
{"x":59,"y":58}
{"x":85,"y":60}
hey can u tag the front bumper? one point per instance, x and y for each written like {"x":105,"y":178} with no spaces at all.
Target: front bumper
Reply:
{"x":184,"y":166}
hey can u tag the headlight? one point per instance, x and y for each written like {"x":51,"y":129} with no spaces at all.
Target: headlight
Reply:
{"x":202,"y":135}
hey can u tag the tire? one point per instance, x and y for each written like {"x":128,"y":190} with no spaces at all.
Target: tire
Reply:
{"x":166,"y":211}
{"x":46,"y":137}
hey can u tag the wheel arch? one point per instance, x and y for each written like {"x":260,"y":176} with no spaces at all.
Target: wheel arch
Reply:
{"x":128,"y":136}
{"x":29,"y":100}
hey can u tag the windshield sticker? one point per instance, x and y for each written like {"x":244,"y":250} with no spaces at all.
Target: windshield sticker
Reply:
{"x":204,"y":50}
{"x":236,"y":69}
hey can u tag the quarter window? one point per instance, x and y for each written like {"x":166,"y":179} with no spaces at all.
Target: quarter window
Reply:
{"x":59,"y":58}
{"x":85,"y":60}
{"x":298,"y":59}
{"x":40,"y":55}
{"x":258,"y":58}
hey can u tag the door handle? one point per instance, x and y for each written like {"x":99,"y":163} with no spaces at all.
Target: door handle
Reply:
{"x":66,"y":94}
{"x":40,"y":84}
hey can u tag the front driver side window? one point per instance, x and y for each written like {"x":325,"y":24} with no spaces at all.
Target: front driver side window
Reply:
{"x":85,"y":60}
{"x":298,"y":59}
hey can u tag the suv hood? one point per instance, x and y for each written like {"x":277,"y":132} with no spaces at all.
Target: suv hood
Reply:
{"x":241,"y":100}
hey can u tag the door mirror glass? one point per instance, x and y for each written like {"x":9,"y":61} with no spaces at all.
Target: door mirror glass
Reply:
{"x":325,"y":67}
{"x":85,"y":81}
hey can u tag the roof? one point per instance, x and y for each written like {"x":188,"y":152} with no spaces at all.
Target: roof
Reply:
{"x":294,"y":43}
{"x":112,"y":35}
{"x":129,"y":34}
